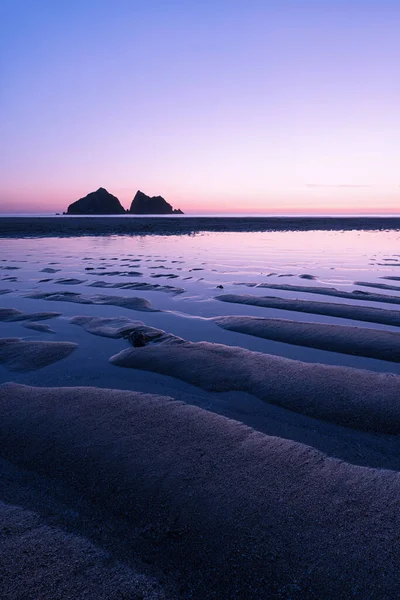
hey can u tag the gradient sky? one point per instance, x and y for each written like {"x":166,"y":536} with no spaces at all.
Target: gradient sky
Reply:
{"x":219,"y":106}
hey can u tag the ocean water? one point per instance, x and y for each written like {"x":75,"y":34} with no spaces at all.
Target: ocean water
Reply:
{"x":331,"y":257}
{"x":181,"y":278}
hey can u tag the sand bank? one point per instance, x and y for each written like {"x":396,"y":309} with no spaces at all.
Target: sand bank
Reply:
{"x":18,"y":355}
{"x":136,"y":285}
{"x":380,"y":286}
{"x":38,"y":327}
{"x":225,"y":511}
{"x":131,"y":303}
{"x":13,"y":314}
{"x":116,"y":327}
{"x":327,"y":291}
{"x":355,"y":398}
{"x":343,"y":311}
{"x":358,"y":341}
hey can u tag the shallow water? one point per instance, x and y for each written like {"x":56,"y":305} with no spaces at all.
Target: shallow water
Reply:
{"x":195,"y":266}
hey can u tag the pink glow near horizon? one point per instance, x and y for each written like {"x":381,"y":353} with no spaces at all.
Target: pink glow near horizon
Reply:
{"x":275,"y":108}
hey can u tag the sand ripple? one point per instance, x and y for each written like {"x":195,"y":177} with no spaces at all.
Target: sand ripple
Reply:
{"x":227,"y":512}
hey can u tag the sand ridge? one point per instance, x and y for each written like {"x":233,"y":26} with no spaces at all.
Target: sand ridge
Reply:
{"x":13,"y":314}
{"x":356,"y":398}
{"x":343,"y":311}
{"x":132,"y":303}
{"x":136,"y":285}
{"x":327,"y":291}
{"x":228,"y":512}
{"x":23,"y":356}
{"x":373,"y":343}
{"x":116,"y":327}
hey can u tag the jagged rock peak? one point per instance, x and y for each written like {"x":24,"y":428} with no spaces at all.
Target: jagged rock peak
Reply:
{"x":99,"y":202}
{"x":151,"y":205}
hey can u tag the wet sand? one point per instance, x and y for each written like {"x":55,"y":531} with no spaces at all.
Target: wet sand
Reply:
{"x":65,"y":226}
{"x":262,"y":460}
{"x":344,"y":311}
{"x":375,"y":343}
{"x":223,"y":511}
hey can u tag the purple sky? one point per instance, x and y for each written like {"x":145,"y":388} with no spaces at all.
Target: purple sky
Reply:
{"x":223,"y":106}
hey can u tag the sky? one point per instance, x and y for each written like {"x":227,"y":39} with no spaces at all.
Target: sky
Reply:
{"x":274,"y":106}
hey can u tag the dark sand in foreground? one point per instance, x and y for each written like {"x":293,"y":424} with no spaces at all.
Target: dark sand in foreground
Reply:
{"x":205,"y":504}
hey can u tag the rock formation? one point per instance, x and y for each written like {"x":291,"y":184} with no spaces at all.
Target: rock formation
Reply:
{"x":151,"y":205}
{"x":100,"y":202}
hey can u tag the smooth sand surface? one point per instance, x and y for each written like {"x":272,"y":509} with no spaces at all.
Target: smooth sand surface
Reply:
{"x":374,"y":343}
{"x":65,"y":226}
{"x":132,"y":303}
{"x":344,"y":311}
{"x":327,"y":291}
{"x":221,"y":510}
{"x":19,"y":355}
{"x":351,"y":397}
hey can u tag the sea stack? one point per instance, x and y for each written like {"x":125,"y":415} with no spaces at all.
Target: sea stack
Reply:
{"x":100,"y":202}
{"x":151,"y":205}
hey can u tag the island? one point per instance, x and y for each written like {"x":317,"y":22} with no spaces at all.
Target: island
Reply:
{"x":100,"y":202}
{"x":151,"y":205}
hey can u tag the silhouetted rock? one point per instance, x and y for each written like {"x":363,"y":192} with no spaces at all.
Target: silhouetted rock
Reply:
{"x":96,"y":203}
{"x":152,"y":205}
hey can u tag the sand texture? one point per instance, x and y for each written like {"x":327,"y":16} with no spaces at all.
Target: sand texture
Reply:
{"x":225,"y":511}
{"x":116,"y":327}
{"x":373,"y":343}
{"x":18,"y":355}
{"x":13,"y":314}
{"x":39,"y":561}
{"x":355,"y":398}
{"x":132,"y":303}
{"x":343,"y":311}
{"x":328,"y":291}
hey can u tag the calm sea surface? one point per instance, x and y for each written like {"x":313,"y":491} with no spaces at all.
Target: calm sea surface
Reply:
{"x":333,"y":258}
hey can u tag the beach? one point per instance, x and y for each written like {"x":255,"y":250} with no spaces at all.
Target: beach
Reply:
{"x":66,"y":226}
{"x":199,"y":408}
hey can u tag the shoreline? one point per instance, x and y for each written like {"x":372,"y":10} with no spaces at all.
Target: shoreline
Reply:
{"x":68,"y":226}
